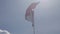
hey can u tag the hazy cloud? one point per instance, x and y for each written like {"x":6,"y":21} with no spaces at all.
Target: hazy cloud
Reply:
{"x":4,"y":32}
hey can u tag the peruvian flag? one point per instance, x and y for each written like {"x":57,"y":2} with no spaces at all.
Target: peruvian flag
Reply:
{"x":29,"y":16}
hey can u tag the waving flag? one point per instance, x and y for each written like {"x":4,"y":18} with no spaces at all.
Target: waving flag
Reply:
{"x":30,"y":12}
{"x":29,"y":16}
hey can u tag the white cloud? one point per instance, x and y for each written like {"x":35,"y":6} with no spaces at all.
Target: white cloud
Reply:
{"x":4,"y":32}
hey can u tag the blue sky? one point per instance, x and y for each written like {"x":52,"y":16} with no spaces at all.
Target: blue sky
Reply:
{"x":47,"y":16}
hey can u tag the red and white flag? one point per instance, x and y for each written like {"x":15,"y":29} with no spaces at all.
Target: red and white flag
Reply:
{"x":29,"y":16}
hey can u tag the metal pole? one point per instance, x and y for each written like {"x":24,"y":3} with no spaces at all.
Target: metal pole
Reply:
{"x":33,"y":24}
{"x":33,"y":30}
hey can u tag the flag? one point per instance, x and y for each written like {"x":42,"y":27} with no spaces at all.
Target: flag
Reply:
{"x":29,"y":16}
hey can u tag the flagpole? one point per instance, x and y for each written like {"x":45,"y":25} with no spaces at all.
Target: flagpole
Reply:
{"x":33,"y":24}
{"x":33,"y":29}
